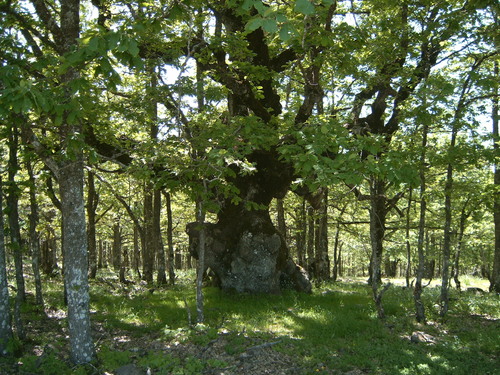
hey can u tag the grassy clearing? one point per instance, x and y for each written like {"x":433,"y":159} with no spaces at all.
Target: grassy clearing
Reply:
{"x":332,"y":331}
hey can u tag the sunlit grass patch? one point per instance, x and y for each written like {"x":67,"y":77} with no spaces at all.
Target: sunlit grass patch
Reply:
{"x":332,"y":330}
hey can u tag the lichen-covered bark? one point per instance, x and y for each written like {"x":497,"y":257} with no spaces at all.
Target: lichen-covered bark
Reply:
{"x":5,"y":317}
{"x":70,"y":178}
{"x":76,"y":260}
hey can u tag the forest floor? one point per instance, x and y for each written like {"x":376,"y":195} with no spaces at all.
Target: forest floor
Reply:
{"x":140,"y":329}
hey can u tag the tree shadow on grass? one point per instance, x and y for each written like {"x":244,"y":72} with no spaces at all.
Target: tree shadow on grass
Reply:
{"x":331,"y":330}
{"x":338,"y":330}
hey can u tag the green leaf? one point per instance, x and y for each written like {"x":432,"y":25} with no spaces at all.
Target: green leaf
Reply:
{"x":304,"y":7}
{"x":133,"y":48}
{"x":270,"y":25}
{"x":261,"y":8}
{"x":113,"y":39}
{"x":72,"y":116}
{"x":248,"y":4}
{"x":93,"y":44}
{"x":254,"y":24}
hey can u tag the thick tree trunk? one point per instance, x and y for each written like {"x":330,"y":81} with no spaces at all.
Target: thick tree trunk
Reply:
{"x":75,"y":260}
{"x":5,"y":316}
{"x":244,"y":249}
{"x":34,"y":236}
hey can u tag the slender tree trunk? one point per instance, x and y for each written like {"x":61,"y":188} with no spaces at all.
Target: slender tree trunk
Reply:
{"x":459,"y":111}
{"x":178,"y":261}
{"x":13,"y":213}
{"x":322,"y":260}
{"x":200,"y":220}
{"x":49,"y":264}
{"x":148,"y":247}
{"x":5,"y":316}
{"x":378,"y":215}
{"x":92,"y":202}
{"x":105,"y":254}
{"x":335,"y":271}
{"x":34,"y":235}
{"x":445,"y":269}
{"x":280,"y":208}
{"x":337,"y":246}
{"x":340,"y":263}
{"x":161,"y":278}
{"x":14,"y":229}
{"x":137,"y":252}
{"x":101,"y":257}
{"x":301,"y":234}
{"x":124,"y":264}
{"x":464,"y":215}
{"x":417,"y":291}
{"x":377,"y":232}
{"x":117,"y":247}
{"x":170,"y":241}
{"x":495,"y":273}
{"x":408,"y":246}
{"x":311,"y":266}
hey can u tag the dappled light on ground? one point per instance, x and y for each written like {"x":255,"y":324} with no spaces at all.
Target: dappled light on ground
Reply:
{"x":334,"y":330}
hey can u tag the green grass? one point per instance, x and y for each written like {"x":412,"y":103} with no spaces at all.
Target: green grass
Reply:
{"x":332,"y":330}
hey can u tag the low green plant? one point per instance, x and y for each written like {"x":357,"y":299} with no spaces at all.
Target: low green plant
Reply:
{"x":46,"y":364}
{"x":216,"y":363}
{"x":191,"y":366}
{"x":160,"y":363}
{"x":113,"y":359}
{"x":236,"y":344}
